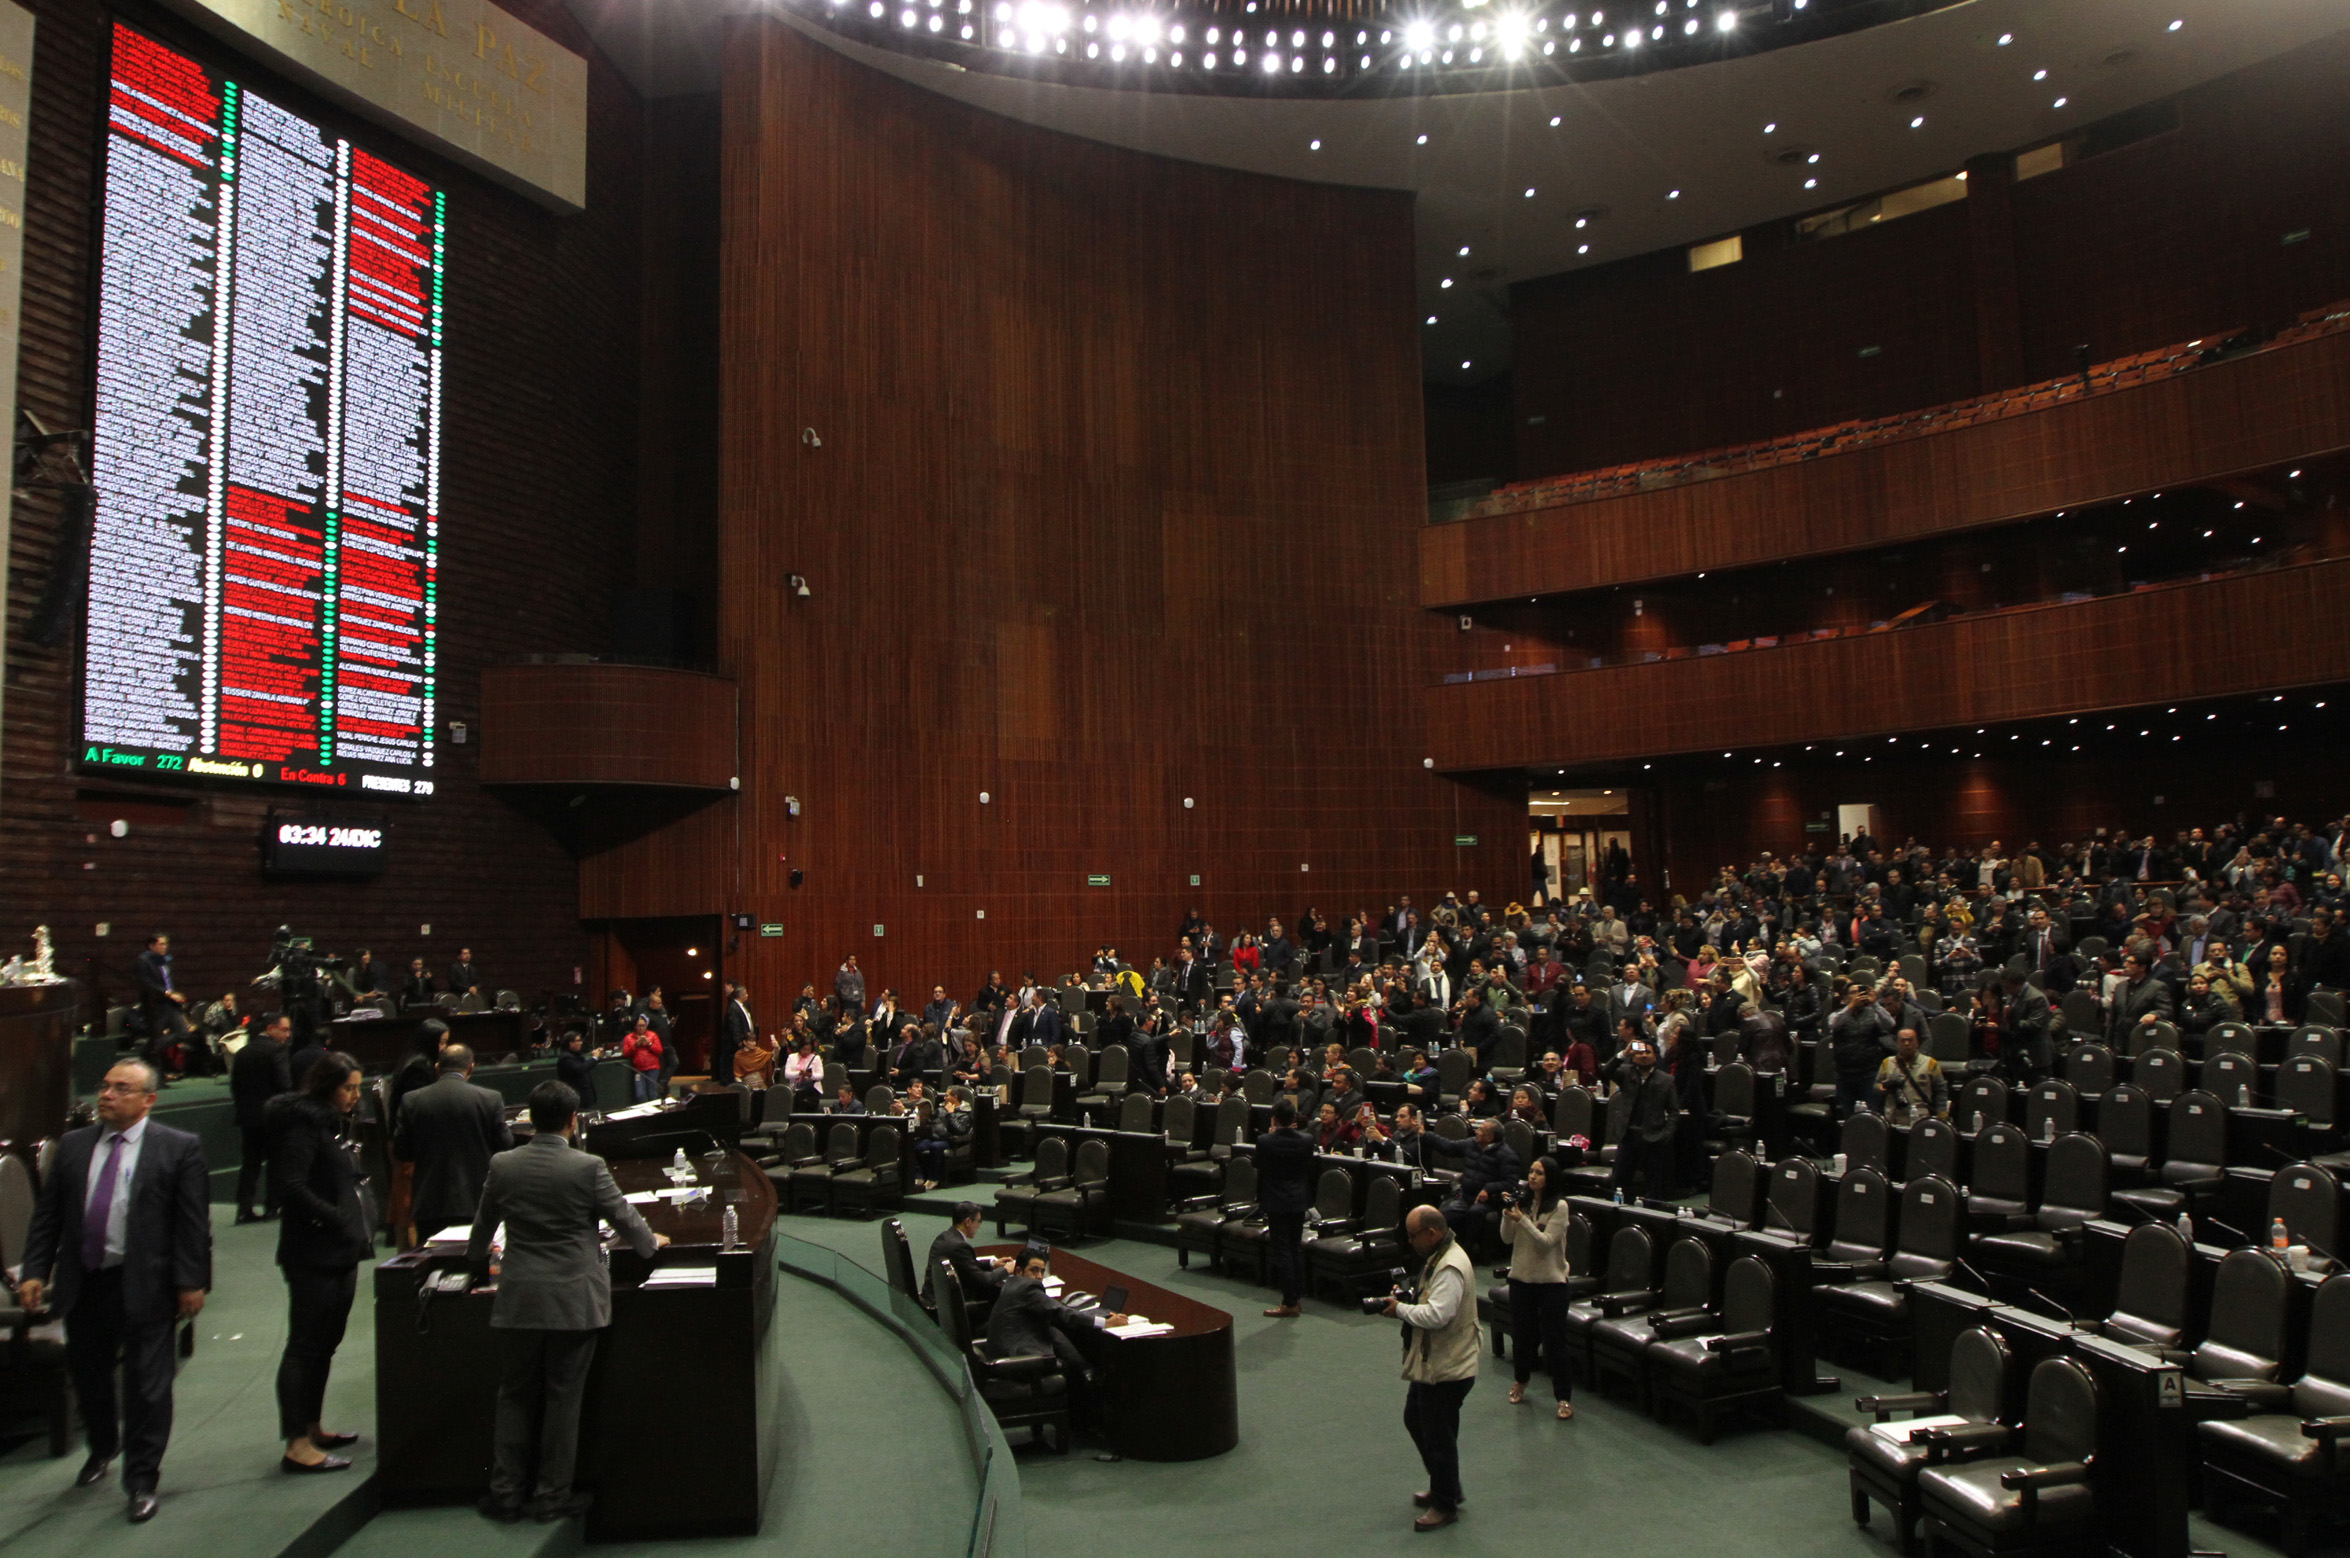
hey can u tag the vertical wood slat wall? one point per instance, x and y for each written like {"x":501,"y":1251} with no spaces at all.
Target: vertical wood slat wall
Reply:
{"x":1115,"y":505}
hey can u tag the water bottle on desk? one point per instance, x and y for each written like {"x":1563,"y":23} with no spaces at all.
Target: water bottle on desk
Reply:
{"x":2280,"y":1238}
{"x":729,"y":1229}
{"x":678,"y":1167}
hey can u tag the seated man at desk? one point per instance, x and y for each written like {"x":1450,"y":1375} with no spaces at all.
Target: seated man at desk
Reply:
{"x":980,"y":1278}
{"x":1028,"y":1322}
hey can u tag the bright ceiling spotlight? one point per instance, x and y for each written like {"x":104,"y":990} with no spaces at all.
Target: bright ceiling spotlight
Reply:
{"x":1419,"y":34}
{"x":1727,"y":21}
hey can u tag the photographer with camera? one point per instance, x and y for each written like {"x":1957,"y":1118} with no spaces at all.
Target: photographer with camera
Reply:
{"x":1440,"y":1347}
{"x":1534,"y":1221}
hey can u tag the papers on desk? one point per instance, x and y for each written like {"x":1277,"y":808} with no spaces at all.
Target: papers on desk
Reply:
{"x":1137,"y":1325}
{"x":453,"y":1237}
{"x":642,"y":1197}
{"x":1898,"y":1433}
{"x":682,"y":1277}
{"x":1053,"y":1286}
{"x":636,"y":1111}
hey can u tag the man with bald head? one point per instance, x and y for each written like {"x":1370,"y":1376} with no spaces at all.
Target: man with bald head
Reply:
{"x":121,"y":1249}
{"x":1439,"y":1360}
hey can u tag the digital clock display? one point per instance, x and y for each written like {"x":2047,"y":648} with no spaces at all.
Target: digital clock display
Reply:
{"x":324,"y":846}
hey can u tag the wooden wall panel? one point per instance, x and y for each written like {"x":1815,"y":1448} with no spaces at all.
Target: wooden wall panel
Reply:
{"x":2250,"y":413}
{"x":606,"y":724}
{"x":537,"y":482}
{"x":2162,"y":241}
{"x":1120,"y":463}
{"x":2281,"y":629}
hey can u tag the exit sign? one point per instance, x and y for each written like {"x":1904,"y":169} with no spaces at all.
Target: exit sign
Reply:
{"x":1098,"y":879}
{"x":1465,"y":840}
{"x":770,"y":930}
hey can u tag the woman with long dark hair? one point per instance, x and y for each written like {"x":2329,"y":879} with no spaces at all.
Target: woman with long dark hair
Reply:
{"x":1535,"y":1229}
{"x":324,"y":1235}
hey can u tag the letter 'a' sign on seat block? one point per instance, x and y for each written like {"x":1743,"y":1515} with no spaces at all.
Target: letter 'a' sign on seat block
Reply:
{"x":460,"y":76}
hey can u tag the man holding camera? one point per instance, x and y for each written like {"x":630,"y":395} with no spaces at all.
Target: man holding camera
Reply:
{"x":1440,"y":1351}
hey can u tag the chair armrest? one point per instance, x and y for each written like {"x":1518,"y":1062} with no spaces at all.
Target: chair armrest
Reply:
{"x":1240,"y":1211}
{"x":2031,"y":1479}
{"x":1849,"y":1270}
{"x":1616,"y":1305}
{"x":1738,"y":1341}
{"x":1944,"y":1445}
{"x":1682,"y":1322}
{"x":1199,"y":1204}
{"x":2265,"y":1395}
{"x":1885,"y":1406}
{"x":2328,"y":1432}
{"x":837,"y":1164}
{"x":1025,"y":1366}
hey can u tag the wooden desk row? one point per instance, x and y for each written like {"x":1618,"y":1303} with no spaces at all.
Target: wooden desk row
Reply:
{"x":690,"y":1362}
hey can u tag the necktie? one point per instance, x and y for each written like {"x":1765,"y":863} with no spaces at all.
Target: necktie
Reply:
{"x":101,"y":1203}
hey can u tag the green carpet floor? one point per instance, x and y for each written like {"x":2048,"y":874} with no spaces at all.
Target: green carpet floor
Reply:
{"x":222,"y":1490}
{"x":1323,"y":1456}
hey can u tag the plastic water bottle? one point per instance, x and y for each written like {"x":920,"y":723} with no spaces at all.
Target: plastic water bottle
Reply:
{"x":2048,"y":1128}
{"x":2280,"y":1238}
{"x":1619,"y":1195}
{"x":2186,"y":1228}
{"x":730,"y":1228}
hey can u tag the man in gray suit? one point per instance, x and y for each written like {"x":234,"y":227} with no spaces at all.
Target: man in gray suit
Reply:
{"x":554,"y":1295}
{"x":450,"y":1131}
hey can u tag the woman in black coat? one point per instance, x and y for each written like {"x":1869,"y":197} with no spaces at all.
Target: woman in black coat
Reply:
{"x":324,"y":1235}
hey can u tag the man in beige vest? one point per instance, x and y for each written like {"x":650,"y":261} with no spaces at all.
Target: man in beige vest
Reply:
{"x":1439,"y":1360}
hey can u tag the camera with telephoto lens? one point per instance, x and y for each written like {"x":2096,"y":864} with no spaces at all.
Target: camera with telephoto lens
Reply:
{"x":1516,"y":1193}
{"x":1399,"y":1290}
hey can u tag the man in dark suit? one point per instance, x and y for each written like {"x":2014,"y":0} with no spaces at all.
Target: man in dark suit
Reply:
{"x":2025,"y":1046}
{"x":1285,"y":1162}
{"x":450,"y":1131}
{"x":1187,"y":982}
{"x":463,"y":981}
{"x":739,"y":1030}
{"x":261,"y":1071}
{"x":122,"y":1239}
{"x":2047,"y":951}
{"x":159,"y":1004}
{"x":1028,"y":1322}
{"x":1480,"y":1025}
{"x":980,"y":1278}
{"x":554,"y":1296}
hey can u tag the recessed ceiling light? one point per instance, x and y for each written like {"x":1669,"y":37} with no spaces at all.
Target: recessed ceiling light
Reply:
{"x":1676,"y":194}
{"x":1464,"y":251}
{"x":2040,"y":74}
{"x":2060,"y":102}
{"x":1464,"y":366}
{"x":1431,"y":319}
{"x":1811,"y":183}
{"x":1313,"y":146}
{"x":1919,"y":123}
{"x":1422,"y":141}
{"x":1529,"y":194}
{"x":1446,"y":282}
{"x":2175,"y":26}
{"x":1768,"y":128}
{"x":1554,"y":121}
{"x":2006,"y":38}
{"x":1582,"y":248}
